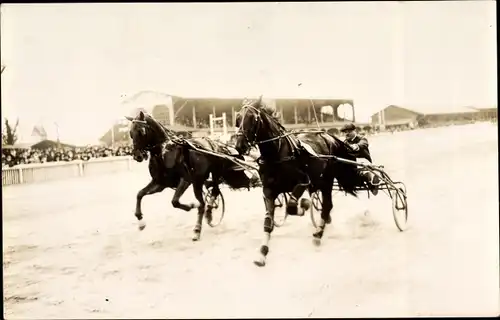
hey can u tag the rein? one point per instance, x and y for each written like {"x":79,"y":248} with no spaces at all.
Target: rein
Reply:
{"x":183,"y":142}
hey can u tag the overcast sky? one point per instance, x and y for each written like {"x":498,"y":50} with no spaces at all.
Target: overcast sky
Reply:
{"x":71,"y":63}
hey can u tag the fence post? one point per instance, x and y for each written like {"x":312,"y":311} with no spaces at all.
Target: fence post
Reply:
{"x":210,"y":119}
{"x":224,"y":124}
{"x":80,"y":168}
{"x":21,"y":179}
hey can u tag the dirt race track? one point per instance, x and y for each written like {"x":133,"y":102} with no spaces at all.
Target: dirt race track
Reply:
{"x":72,"y":249}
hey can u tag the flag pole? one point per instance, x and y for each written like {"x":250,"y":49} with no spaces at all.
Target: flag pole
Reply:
{"x":57,"y":134}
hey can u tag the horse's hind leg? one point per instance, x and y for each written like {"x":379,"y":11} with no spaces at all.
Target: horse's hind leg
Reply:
{"x":215,"y":192}
{"x":151,"y":188}
{"x":269,"y":198}
{"x":326,"y":218}
{"x":198,"y":193}
{"x":179,"y":191}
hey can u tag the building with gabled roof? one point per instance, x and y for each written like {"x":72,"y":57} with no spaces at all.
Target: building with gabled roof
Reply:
{"x":395,"y":115}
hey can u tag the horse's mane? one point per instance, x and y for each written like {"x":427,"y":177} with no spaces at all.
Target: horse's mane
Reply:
{"x":156,"y":127}
{"x":272,"y":115}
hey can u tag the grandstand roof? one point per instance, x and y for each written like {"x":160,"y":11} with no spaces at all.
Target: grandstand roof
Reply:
{"x":146,"y":99}
{"x":151,"y":98}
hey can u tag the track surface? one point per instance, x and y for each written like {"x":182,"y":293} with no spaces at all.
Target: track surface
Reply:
{"x":72,"y":248}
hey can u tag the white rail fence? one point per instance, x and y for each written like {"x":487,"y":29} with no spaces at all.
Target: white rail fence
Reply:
{"x":40,"y":172}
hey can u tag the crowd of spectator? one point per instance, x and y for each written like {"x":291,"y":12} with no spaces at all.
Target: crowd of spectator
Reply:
{"x":12,"y":156}
{"x":200,"y":123}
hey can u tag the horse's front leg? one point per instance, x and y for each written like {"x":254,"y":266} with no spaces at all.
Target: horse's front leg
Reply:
{"x":151,"y":188}
{"x":269,"y":197}
{"x":198,"y":193}
{"x":326,"y":217}
{"x":179,"y":191}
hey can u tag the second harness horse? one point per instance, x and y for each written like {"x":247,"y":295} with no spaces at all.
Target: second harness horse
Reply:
{"x":178,"y":163}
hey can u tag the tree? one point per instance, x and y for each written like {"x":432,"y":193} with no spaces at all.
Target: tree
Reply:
{"x":9,"y":133}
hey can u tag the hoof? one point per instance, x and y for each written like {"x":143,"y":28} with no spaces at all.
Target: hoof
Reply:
{"x":305,"y":204}
{"x":260,"y":262}
{"x":196,"y":237}
{"x":292,"y":210}
{"x":142,"y":225}
{"x":317,"y":242}
{"x":208,"y":217}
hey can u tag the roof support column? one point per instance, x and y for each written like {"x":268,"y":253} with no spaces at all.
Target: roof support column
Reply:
{"x":295,"y":112}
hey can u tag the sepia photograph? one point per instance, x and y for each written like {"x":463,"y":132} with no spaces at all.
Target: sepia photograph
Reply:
{"x":250,"y":160}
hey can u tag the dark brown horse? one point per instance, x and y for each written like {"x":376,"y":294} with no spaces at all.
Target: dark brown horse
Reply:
{"x":177,"y":163}
{"x":290,"y":163}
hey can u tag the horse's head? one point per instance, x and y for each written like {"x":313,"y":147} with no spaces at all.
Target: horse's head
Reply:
{"x":146,"y":133}
{"x":255,"y":122}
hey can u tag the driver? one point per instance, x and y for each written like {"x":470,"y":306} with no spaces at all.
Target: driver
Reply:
{"x":359,"y":148}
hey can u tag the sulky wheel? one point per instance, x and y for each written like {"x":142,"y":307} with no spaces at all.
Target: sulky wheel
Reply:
{"x":400,"y":207}
{"x":280,"y":210}
{"x":215,"y":206}
{"x":316,"y":206}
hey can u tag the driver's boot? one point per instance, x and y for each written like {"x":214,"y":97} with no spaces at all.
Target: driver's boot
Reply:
{"x":255,"y":181}
{"x":372,"y":181}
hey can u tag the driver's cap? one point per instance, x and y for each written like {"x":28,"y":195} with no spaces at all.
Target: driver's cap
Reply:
{"x":348,"y":127}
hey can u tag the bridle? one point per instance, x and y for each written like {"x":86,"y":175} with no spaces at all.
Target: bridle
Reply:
{"x":151,"y":146}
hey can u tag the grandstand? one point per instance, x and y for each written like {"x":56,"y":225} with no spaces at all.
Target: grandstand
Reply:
{"x":191,"y":114}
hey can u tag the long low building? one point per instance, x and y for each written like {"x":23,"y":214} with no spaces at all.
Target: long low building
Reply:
{"x":394,"y":115}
